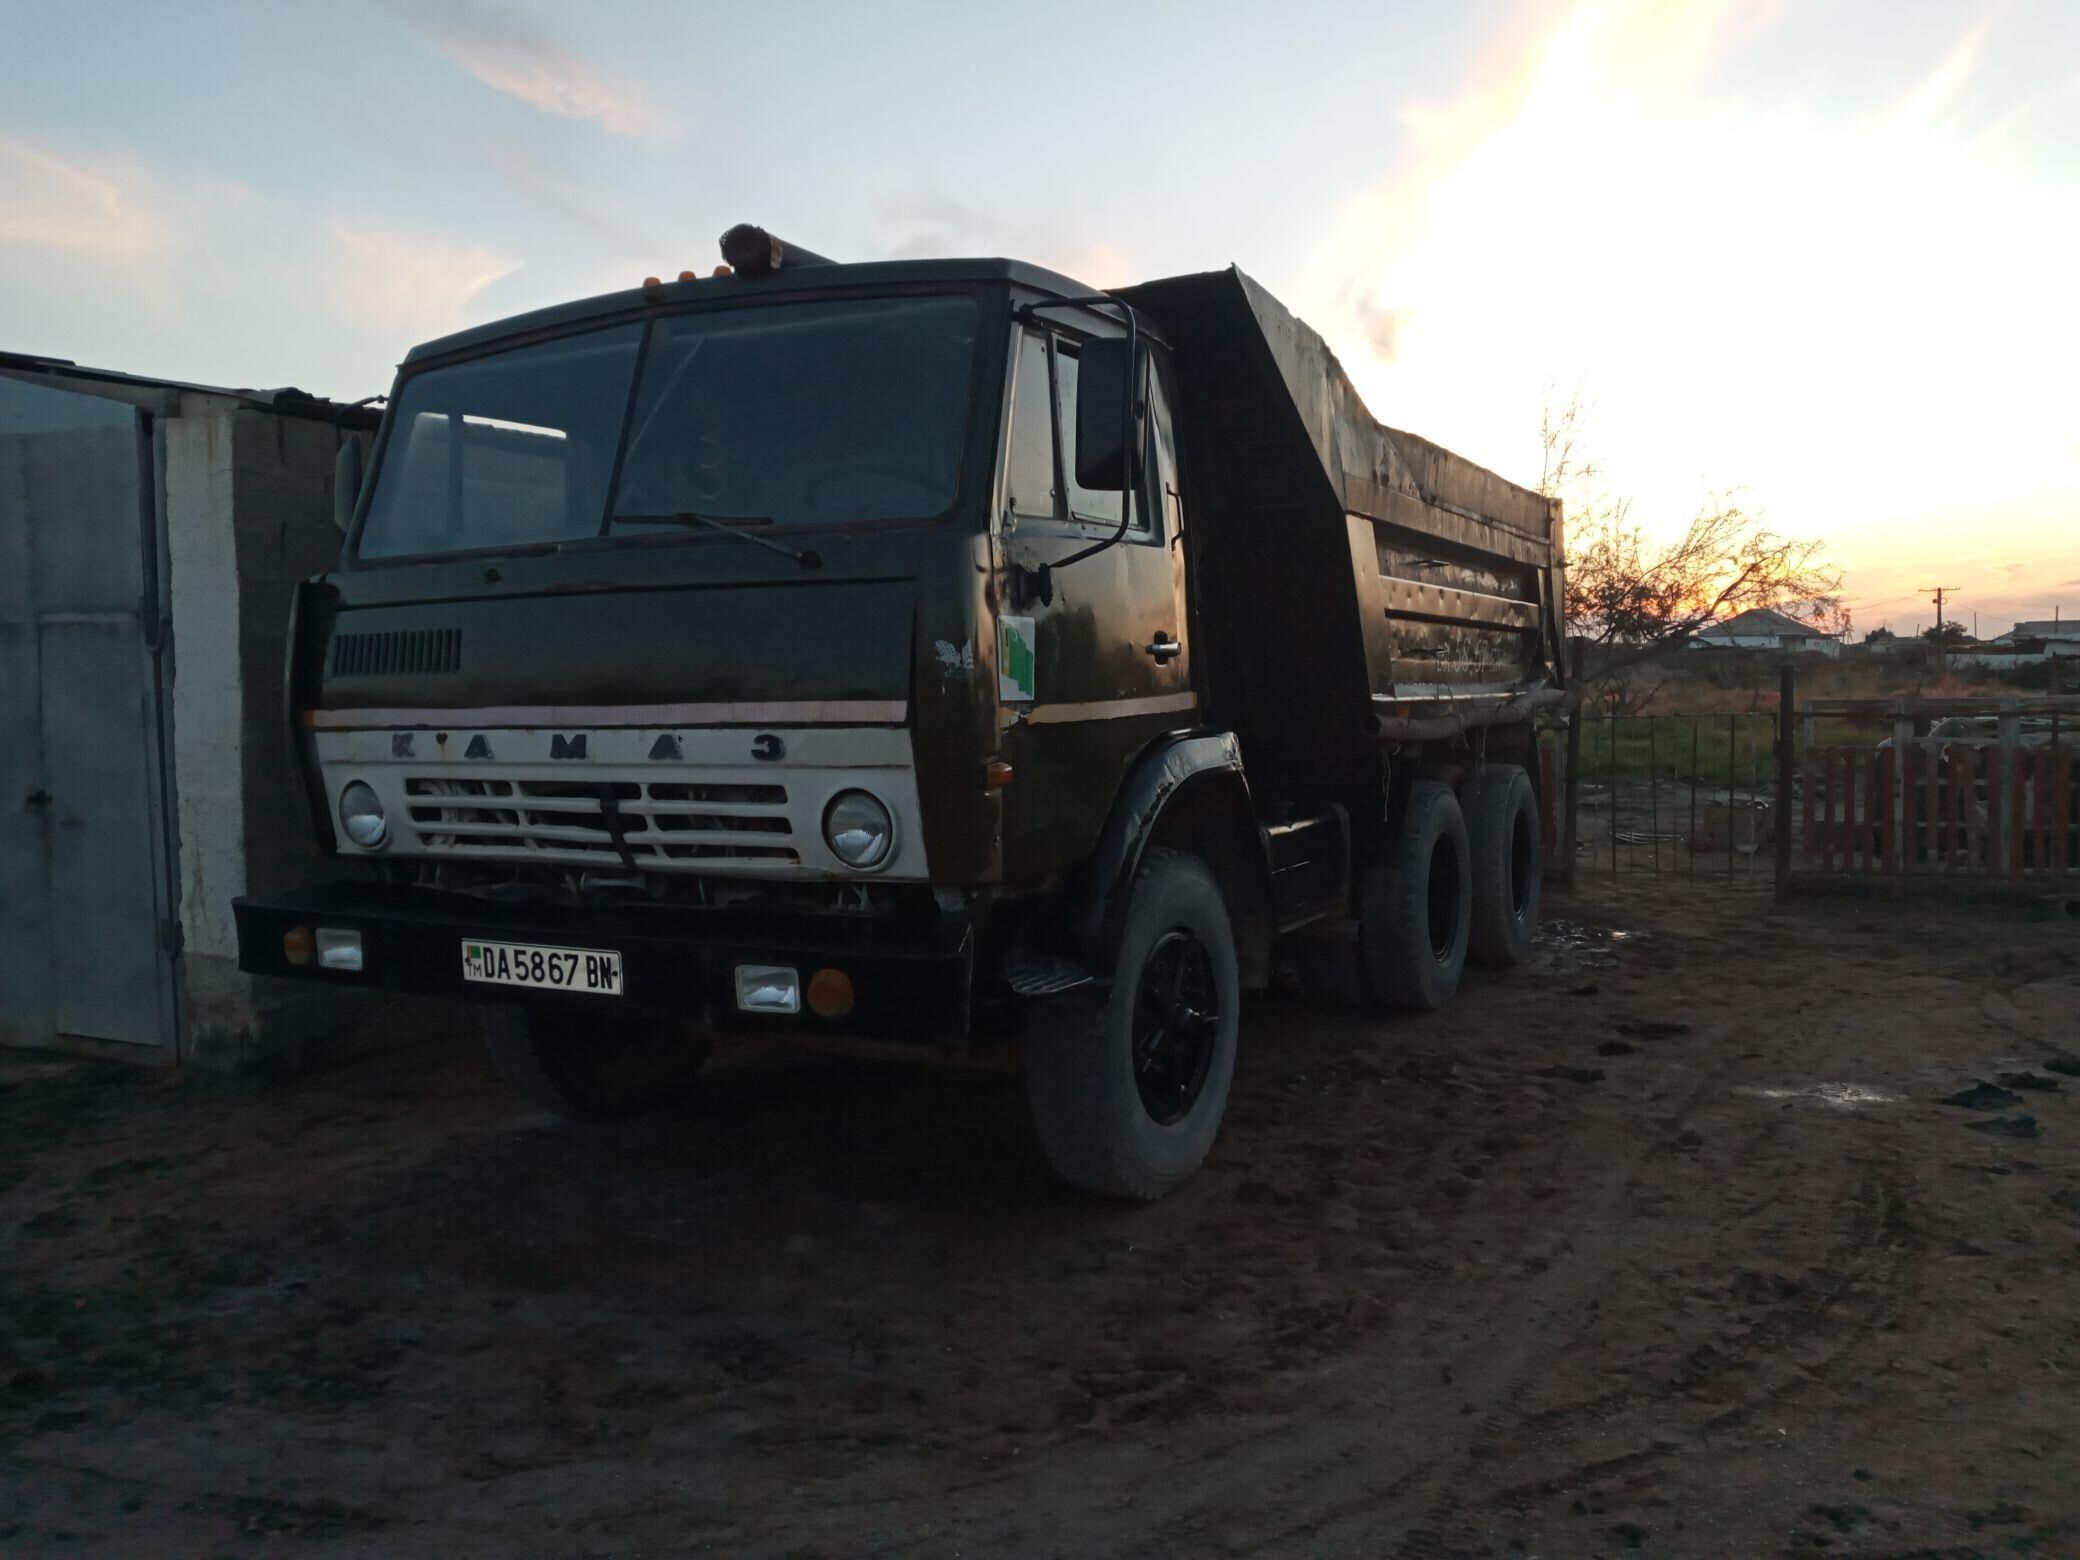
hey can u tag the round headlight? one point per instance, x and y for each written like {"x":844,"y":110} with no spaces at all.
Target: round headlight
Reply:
{"x":860,"y":832}
{"x":361,"y":815}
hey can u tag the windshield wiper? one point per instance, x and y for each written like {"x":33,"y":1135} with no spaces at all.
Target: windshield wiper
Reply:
{"x":730,"y":525}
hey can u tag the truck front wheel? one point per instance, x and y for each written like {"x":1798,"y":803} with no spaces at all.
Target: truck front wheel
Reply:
{"x":584,"y":1066}
{"x":1508,"y":863}
{"x":1415,"y":904}
{"x":1127,"y":1095}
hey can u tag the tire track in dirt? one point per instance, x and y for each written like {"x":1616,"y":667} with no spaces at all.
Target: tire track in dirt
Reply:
{"x":1320,"y":1467}
{"x":1864,"y":1257}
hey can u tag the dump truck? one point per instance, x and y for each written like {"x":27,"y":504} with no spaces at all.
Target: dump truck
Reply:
{"x":935,"y":656}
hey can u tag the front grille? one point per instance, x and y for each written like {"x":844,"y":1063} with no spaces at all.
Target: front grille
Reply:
{"x":400,"y":652}
{"x":666,"y":825}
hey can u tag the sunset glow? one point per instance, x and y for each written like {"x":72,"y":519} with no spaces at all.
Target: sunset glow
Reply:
{"x":1820,"y":255}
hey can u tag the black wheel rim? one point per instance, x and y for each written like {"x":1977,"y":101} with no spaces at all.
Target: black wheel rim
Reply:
{"x":1443,"y":900}
{"x":1177,"y":1021}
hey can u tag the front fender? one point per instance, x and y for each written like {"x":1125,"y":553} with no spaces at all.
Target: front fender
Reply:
{"x":1174,"y":766}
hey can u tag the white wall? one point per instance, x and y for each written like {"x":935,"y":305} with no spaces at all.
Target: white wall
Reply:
{"x":208,"y":712}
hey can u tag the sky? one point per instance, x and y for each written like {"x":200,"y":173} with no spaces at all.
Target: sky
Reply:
{"x":1817,"y":255}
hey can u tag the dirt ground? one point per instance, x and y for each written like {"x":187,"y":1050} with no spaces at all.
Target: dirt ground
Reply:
{"x":1508,"y":1281}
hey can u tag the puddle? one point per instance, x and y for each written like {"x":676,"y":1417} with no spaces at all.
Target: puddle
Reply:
{"x":1566,"y":944}
{"x":1837,"y":1096}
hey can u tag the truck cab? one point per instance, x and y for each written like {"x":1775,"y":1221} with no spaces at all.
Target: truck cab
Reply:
{"x":816,"y":650}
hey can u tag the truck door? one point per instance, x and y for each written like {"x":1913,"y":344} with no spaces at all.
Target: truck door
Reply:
{"x":1093,"y":660}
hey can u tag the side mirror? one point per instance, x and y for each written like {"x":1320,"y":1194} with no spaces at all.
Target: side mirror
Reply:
{"x":346,"y":482}
{"x":1106,"y":392}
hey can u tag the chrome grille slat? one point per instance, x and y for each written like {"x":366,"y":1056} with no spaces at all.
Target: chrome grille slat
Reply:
{"x":664,"y":823}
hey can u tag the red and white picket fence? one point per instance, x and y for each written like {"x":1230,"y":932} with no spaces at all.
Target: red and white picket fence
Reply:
{"x":1931,"y":806}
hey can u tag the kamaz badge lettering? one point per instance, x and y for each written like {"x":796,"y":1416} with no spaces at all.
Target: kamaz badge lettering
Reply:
{"x":567,"y":747}
{"x":1015,"y":659}
{"x":768,"y":747}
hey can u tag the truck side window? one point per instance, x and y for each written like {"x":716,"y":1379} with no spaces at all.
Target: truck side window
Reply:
{"x":1085,"y":505}
{"x":1160,"y":481}
{"x":1029,"y":485}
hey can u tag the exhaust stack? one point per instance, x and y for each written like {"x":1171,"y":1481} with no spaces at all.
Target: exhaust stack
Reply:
{"x":752,"y":251}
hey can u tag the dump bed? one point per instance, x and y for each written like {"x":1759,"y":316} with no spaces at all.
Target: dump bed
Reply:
{"x":1341,"y":569}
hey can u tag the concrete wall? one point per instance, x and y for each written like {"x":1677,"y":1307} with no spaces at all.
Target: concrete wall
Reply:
{"x":206,"y":719}
{"x":248,"y":514}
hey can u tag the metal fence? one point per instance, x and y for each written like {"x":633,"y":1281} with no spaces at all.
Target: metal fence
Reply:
{"x":1683,"y":795}
{"x":1842,"y":789}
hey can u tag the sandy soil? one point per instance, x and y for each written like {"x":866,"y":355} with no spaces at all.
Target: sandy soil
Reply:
{"x":1507,"y":1281}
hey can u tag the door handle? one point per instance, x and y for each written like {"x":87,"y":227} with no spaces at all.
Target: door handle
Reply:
{"x":37,"y":799}
{"x":1163,"y":647}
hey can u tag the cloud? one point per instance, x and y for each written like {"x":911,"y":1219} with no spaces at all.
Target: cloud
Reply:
{"x":1838,"y":304}
{"x":409,"y":286}
{"x":508,"y":53}
{"x":50,"y":203}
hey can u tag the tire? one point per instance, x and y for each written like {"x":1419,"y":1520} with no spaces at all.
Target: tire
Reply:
{"x":1113,"y":1117}
{"x":1415,"y":905}
{"x":583,"y":1067}
{"x":1508,"y":866}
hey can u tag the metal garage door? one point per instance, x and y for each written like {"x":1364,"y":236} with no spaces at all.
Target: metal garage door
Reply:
{"x":82,"y":860}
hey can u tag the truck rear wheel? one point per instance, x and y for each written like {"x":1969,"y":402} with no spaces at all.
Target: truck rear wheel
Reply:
{"x":1415,"y":904}
{"x":587,"y":1067}
{"x":1508,"y":865}
{"x":1127,"y":1096}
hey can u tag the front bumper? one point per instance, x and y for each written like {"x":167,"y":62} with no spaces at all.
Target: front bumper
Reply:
{"x":912,"y":980}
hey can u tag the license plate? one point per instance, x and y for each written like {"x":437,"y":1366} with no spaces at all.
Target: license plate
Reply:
{"x":592,"y":971}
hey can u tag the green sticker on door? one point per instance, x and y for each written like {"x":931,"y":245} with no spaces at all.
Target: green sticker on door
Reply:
{"x":1015,"y":659}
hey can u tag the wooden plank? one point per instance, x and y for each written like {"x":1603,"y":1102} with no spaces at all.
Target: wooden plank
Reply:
{"x":1873,"y":791}
{"x":2062,"y":810}
{"x":2018,"y":809}
{"x":1888,"y":824}
{"x":2040,"y":812}
{"x":1993,"y":841}
{"x":1845,"y":819}
{"x":1861,"y":760}
{"x":1809,"y":833}
{"x":1939,"y":810}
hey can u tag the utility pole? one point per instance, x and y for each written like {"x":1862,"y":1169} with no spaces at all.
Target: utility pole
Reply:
{"x":1939,"y":592}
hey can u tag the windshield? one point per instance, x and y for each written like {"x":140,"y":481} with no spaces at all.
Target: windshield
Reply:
{"x":804,"y":413}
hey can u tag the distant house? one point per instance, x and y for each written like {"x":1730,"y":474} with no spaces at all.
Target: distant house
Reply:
{"x":2039,"y":628}
{"x":2043,"y":639}
{"x":1761,"y":629}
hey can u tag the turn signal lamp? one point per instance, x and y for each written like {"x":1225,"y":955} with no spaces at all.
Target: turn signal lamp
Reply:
{"x":298,"y":945}
{"x":830,"y":994}
{"x":996,"y":774}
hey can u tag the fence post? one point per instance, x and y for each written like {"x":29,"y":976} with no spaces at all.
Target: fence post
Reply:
{"x":1787,"y":698}
{"x":1572,"y":804}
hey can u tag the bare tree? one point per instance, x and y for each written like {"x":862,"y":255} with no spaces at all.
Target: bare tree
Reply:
{"x":1628,"y":591}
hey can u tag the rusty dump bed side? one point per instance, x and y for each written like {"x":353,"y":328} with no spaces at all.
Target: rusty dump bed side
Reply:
{"x":1341,"y":568}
